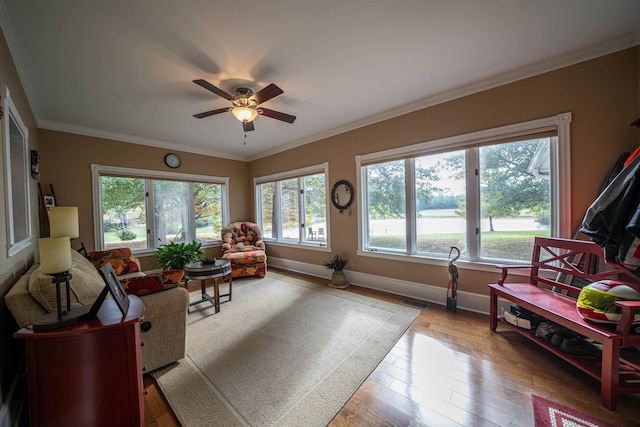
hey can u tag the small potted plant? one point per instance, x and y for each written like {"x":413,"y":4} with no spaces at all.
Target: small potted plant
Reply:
{"x":174,"y":256}
{"x":337,"y":264}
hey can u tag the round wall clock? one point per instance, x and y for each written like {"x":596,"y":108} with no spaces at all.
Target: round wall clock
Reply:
{"x":172,"y":160}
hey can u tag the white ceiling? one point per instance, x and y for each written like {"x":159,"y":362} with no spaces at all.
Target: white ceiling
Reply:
{"x":123,"y":69}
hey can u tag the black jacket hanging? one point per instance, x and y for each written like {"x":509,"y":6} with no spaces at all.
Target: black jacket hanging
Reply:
{"x":613,"y":220}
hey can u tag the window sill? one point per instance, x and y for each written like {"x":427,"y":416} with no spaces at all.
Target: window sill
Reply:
{"x":460,"y":263}
{"x":18,"y":247}
{"x":148,"y":251}
{"x":297,"y":245}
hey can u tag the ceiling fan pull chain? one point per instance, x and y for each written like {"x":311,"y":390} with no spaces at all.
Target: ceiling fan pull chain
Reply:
{"x":245,"y":138}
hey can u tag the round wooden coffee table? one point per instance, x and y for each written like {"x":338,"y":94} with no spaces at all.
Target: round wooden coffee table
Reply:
{"x":203,"y":271}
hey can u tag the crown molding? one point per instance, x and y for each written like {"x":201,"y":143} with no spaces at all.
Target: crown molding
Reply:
{"x":555,"y":63}
{"x":79,"y":130}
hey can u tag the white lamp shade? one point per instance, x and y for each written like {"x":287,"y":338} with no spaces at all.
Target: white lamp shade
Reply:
{"x":55,"y":254}
{"x":245,"y":114}
{"x":63,"y":221}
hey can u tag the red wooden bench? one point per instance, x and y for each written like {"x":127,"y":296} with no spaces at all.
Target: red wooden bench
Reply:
{"x":554,"y":264}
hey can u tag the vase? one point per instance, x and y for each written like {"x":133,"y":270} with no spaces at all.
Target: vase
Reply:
{"x":338,"y":280}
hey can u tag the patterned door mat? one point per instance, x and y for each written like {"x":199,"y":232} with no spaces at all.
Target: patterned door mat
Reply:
{"x":547,"y":413}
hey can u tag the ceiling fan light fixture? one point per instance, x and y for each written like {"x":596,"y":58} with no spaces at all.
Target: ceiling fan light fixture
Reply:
{"x":246,"y":104}
{"x":245,"y":114}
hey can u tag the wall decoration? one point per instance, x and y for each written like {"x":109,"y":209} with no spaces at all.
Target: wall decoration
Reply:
{"x":172,"y":160}
{"x":49,"y":202}
{"x":35,"y":165}
{"x":342,"y":195}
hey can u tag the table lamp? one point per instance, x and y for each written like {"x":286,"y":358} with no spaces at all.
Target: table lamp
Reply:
{"x":55,"y":260}
{"x":63,"y":221}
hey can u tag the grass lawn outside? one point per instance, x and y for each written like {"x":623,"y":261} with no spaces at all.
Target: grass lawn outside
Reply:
{"x":508,"y":245}
{"x":505,"y":245}
{"x":111,"y":239}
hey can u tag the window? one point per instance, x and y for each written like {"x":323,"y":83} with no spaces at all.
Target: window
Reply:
{"x":16,"y":168}
{"x":440,"y":188}
{"x":267,"y":200}
{"x":487,"y":193}
{"x":292,"y":207}
{"x":289,"y":205}
{"x":515,"y":198}
{"x":387,"y":205}
{"x":146,"y":209}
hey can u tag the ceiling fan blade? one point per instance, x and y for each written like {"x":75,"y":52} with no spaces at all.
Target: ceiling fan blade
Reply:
{"x":267,"y":93}
{"x":205,"y":84}
{"x":277,"y":115}
{"x":210,"y":113}
{"x":247,"y":126}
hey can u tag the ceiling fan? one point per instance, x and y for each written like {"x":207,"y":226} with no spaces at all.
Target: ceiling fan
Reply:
{"x":245,"y":104}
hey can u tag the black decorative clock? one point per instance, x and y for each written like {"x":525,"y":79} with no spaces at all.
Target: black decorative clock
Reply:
{"x":172,"y":160}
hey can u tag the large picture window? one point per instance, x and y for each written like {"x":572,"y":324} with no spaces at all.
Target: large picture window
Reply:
{"x":145,"y":209}
{"x":487,"y":193}
{"x":292,"y":207}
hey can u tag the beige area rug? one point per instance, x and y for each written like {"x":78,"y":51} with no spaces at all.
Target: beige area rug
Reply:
{"x":283,"y":352}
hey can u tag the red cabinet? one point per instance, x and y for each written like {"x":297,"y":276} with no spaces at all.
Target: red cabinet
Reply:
{"x":90,"y":373}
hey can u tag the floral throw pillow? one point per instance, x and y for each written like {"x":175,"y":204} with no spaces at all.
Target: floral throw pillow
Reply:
{"x":121,"y":259}
{"x":152,"y":283}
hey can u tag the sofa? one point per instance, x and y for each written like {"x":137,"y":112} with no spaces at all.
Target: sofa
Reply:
{"x":242,"y":244}
{"x":166,"y":304}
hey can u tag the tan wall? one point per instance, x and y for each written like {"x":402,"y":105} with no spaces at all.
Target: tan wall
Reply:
{"x":602,"y":95}
{"x":66,"y":165}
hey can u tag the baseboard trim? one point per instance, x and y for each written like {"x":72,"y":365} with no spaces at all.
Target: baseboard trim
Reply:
{"x":421,"y":291}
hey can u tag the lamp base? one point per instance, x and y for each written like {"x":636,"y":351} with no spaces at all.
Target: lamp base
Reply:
{"x":51,"y":321}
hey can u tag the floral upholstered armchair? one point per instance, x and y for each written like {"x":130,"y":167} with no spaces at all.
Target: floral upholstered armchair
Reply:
{"x":242,"y":244}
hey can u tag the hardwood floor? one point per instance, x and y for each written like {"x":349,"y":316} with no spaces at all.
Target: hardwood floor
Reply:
{"x":449,"y":369}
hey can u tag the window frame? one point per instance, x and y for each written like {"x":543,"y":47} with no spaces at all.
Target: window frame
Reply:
{"x":17,"y":194}
{"x":322,"y":168}
{"x":97,"y":171}
{"x":560,"y":183}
